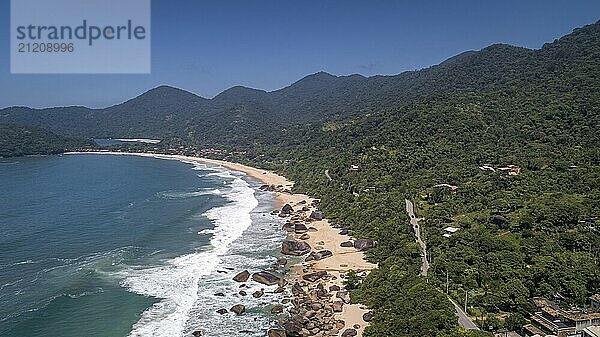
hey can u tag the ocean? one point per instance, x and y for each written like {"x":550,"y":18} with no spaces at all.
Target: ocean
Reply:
{"x":103,"y":245}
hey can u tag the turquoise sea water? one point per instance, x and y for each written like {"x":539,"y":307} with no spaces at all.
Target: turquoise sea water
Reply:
{"x":102,"y":245}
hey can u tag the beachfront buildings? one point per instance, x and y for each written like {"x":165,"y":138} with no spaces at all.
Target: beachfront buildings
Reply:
{"x":550,"y":320}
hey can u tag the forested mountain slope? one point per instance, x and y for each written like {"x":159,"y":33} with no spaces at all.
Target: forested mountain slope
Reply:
{"x":18,"y":141}
{"x":164,"y":111}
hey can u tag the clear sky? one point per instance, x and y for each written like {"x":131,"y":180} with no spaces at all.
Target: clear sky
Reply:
{"x":207,"y":46}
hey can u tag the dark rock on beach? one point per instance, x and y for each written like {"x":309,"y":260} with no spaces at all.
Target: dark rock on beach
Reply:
{"x":296,"y":248}
{"x":347,"y":244}
{"x":300,"y":228}
{"x":222,"y":311}
{"x":344,"y":296}
{"x":349,"y":333}
{"x":287,"y":209}
{"x":277,"y":309}
{"x":314,"y":277}
{"x":238,"y":309}
{"x":316,"y":256}
{"x":317,"y":215}
{"x":293,"y":329}
{"x":276,"y":333}
{"x":242,"y":277}
{"x":364,"y":244}
{"x":265,"y":278}
{"x":338,"y":306}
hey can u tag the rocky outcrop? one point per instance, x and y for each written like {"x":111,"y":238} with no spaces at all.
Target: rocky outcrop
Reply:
{"x":317,"y":215}
{"x":338,"y":306}
{"x":293,"y":329}
{"x":242,"y":277}
{"x":265,"y":278}
{"x":287,"y":209}
{"x":349,"y":333}
{"x":277,"y":309}
{"x":300,"y":228}
{"x":238,"y":309}
{"x":314,"y":277}
{"x":276,"y":333}
{"x":364,"y":244}
{"x":296,"y":248}
{"x":316,"y":256}
{"x":343,"y":295}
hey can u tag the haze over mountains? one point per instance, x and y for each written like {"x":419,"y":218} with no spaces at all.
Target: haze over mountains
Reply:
{"x":164,"y":111}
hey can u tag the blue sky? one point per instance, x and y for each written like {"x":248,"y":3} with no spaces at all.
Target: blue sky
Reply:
{"x":208,"y":46}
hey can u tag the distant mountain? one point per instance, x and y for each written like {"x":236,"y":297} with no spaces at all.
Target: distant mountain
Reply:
{"x":165,"y":111}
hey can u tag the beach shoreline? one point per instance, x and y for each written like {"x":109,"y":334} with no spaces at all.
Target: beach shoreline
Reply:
{"x":321,"y":237}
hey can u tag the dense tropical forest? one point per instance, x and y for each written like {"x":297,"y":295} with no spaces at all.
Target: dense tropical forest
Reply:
{"x":502,"y":144}
{"x":18,"y":141}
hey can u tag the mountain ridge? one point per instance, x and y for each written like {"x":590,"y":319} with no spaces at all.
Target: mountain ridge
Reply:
{"x":165,"y":110}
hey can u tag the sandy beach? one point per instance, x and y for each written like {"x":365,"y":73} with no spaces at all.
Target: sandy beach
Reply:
{"x":321,"y":235}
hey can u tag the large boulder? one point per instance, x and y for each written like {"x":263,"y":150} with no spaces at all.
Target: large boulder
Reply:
{"x":364,"y":244}
{"x":277,"y":309}
{"x":238,"y":309}
{"x":338,"y":306}
{"x":316,"y":256}
{"x":242,"y":277}
{"x":276,"y":333}
{"x":265,"y":278}
{"x":293,"y":329}
{"x":314,"y":277}
{"x":349,"y":333}
{"x":287,"y":209}
{"x":367,"y":316}
{"x":317,"y":215}
{"x":288,"y":227}
{"x":343,"y":295}
{"x":296,"y":248}
{"x":300,"y":228}
{"x":347,"y":244}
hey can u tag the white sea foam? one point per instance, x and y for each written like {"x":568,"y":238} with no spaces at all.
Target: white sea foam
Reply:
{"x":185,"y":195}
{"x":206,"y":232}
{"x":176,"y":283}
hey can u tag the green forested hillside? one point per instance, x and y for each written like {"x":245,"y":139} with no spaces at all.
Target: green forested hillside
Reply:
{"x":535,"y":231}
{"x":19,"y":141}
